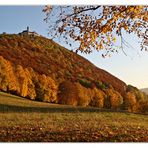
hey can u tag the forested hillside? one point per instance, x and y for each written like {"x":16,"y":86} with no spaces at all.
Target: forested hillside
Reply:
{"x":39,"y":69}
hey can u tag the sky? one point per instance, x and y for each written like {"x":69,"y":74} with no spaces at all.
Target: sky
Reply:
{"x":132,"y":69}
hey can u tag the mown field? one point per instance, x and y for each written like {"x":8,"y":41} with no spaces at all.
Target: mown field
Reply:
{"x":23,"y":120}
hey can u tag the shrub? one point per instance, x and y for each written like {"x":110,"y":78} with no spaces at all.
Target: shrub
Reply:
{"x":68,"y":74}
{"x":130,"y":88}
{"x":85,"y":83}
{"x":100,"y":85}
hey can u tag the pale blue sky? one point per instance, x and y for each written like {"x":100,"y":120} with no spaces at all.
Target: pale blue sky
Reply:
{"x":132,"y":69}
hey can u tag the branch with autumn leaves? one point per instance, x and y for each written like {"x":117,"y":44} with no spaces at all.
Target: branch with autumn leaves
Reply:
{"x":97,"y":27}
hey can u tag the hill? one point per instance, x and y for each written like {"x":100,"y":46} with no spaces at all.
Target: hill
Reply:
{"x":47,"y":57}
{"x":39,"y":69}
{"x":24,"y":120}
{"x":144,"y":90}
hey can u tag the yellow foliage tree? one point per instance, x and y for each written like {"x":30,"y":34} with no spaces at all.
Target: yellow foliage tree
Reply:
{"x":143,"y":106}
{"x":85,"y":95}
{"x":23,"y":80}
{"x":8,"y":81}
{"x":26,"y":85}
{"x":130,"y":101}
{"x":114,"y":99}
{"x":31,"y":94}
{"x":46,"y":89}
{"x":98,"y":99}
{"x":135,"y":100}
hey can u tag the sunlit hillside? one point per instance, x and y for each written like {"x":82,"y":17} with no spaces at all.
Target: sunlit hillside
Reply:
{"x":39,"y":69}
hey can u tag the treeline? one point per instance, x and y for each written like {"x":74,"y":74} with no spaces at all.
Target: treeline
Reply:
{"x":76,"y":94}
{"x":135,"y":100}
{"x":27,"y":83}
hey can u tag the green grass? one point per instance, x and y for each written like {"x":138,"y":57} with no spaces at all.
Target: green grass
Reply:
{"x":22,"y":120}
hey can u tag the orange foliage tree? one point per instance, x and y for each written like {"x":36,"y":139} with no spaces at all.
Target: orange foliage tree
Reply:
{"x":23,"y":80}
{"x":46,"y":89}
{"x":135,"y":100}
{"x":67,"y":93}
{"x":85,"y":95}
{"x":26,"y":83}
{"x":31,"y":94}
{"x":8,"y":81}
{"x":130,"y":101}
{"x":143,"y":106}
{"x":97,"y":27}
{"x":113,"y":100}
{"x":98,"y":98}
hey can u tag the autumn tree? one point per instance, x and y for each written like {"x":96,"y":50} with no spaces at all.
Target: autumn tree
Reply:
{"x":8,"y":81}
{"x":98,"y":98}
{"x":31,"y":93}
{"x":143,"y":106}
{"x":113,"y":100}
{"x":46,"y":89}
{"x":23,"y":80}
{"x":67,"y":93}
{"x":130,"y":101}
{"x":135,"y":100}
{"x":85,"y":94}
{"x":97,"y":27}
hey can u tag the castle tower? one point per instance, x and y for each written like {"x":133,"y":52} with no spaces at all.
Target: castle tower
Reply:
{"x":27,"y":29}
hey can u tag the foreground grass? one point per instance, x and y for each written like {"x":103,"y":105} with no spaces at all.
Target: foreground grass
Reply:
{"x":23,"y":120}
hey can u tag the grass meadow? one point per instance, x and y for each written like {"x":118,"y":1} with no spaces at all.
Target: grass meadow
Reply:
{"x":23,"y":120}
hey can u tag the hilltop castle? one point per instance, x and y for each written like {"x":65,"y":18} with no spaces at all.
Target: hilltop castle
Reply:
{"x":27,"y":32}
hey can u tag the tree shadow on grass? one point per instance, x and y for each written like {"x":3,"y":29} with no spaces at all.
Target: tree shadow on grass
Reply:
{"x":5,"y":108}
